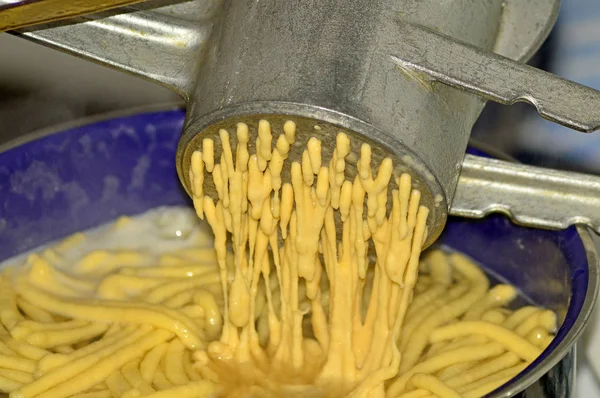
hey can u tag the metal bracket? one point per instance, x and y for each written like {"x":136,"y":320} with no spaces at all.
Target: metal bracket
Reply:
{"x":497,"y":78}
{"x":163,"y":44}
{"x":531,"y":196}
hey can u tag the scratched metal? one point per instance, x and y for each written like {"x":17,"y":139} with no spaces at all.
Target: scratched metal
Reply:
{"x":498,"y":78}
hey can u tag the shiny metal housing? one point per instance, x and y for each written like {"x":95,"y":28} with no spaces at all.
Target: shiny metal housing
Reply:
{"x":333,"y":61}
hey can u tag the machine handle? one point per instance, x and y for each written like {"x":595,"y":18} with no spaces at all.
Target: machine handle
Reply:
{"x":531,"y":196}
{"x":22,"y":13}
{"x":495,"y":77}
{"x":162,"y":45}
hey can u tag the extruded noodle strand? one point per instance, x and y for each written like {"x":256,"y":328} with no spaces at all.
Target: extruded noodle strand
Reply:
{"x":510,"y":340}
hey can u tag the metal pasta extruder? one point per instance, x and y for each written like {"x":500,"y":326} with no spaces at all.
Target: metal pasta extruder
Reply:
{"x":410,"y":77}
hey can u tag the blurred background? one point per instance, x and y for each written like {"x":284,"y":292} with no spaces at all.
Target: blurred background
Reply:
{"x":40,"y":87}
{"x":572,"y":51}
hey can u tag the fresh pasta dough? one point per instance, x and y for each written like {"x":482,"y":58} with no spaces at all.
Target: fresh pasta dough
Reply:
{"x":306,"y":287}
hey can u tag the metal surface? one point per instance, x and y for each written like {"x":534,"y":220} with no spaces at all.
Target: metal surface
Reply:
{"x":531,"y":196}
{"x":497,"y":78}
{"x":525,"y":25}
{"x":329,"y":61}
{"x":523,"y":28}
{"x":307,"y":63}
{"x":22,"y":13}
{"x":161,"y":43}
{"x":559,"y":382}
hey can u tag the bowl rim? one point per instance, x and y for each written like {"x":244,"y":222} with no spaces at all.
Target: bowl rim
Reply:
{"x":576,"y":331}
{"x":587,"y":308}
{"x":87,"y":120}
{"x":564,"y":347}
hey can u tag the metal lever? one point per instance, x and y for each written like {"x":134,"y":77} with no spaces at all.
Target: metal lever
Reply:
{"x":161,"y":44}
{"x":531,"y":196}
{"x":497,"y":78}
{"x":22,"y":13}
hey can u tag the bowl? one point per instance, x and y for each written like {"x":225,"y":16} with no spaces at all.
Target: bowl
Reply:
{"x":67,"y":179}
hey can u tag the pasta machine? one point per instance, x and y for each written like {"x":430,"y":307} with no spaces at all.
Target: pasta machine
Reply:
{"x":409,"y":77}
